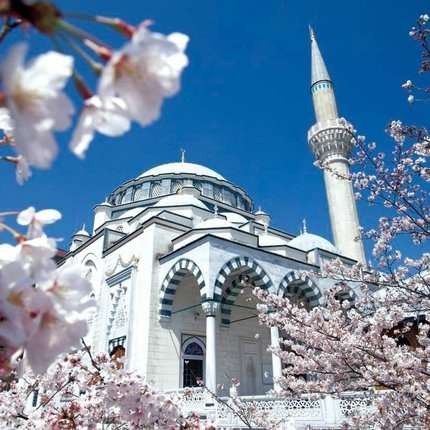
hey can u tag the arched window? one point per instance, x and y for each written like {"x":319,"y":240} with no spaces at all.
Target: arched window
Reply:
{"x":217,"y":193}
{"x":118,"y":198}
{"x":127,"y":197}
{"x":142,"y":191}
{"x":207,"y":189}
{"x":228,"y":197}
{"x":198,"y":185}
{"x":175,"y":185}
{"x":193,"y":362}
{"x":240,"y":202}
{"x":156,"y":189}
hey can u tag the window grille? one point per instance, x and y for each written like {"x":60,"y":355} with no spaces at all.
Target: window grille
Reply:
{"x":228,"y":197}
{"x":127,"y":195}
{"x":118,"y":341}
{"x":198,"y":185}
{"x":156,"y":189}
{"x":207,"y":189}
{"x":118,"y":199}
{"x":142,"y":191}
{"x":217,"y":193}
{"x":175,"y":185}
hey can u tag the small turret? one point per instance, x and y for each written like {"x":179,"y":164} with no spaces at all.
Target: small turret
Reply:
{"x":102,"y":213}
{"x":262,"y":218}
{"x":80,"y":237}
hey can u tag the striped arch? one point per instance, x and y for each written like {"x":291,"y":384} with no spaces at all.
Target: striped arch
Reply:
{"x":253,"y":270}
{"x":299,"y":284}
{"x":345,"y":293}
{"x":173,"y":278}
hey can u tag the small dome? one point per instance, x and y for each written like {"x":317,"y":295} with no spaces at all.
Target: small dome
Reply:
{"x":260,"y":212}
{"x":234,"y":217}
{"x":308,"y":241}
{"x":180,"y":200}
{"x":215,"y":223}
{"x":177,"y":168}
{"x":82,"y":232}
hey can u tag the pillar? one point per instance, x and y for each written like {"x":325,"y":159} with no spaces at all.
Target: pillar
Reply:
{"x":276,"y":361}
{"x":210,"y":309}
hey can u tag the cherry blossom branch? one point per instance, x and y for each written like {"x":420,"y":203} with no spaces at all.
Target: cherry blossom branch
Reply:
{"x":8,"y":26}
{"x":88,"y":350}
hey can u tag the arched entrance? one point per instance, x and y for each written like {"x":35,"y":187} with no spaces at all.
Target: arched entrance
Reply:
{"x":243,"y":342}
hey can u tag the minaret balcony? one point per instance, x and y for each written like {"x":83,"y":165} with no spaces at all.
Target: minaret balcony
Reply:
{"x":331,"y":138}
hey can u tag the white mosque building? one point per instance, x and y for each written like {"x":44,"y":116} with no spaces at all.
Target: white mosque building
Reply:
{"x":173,"y":254}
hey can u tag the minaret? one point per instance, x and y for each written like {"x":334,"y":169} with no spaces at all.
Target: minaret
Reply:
{"x":331,"y":140}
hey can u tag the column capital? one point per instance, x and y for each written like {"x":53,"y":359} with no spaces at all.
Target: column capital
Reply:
{"x":210,"y":308}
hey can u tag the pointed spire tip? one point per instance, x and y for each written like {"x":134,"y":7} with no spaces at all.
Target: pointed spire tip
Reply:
{"x":319,"y":69}
{"x":311,"y":33}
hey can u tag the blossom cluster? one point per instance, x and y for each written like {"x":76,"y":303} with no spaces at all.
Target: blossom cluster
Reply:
{"x":81,"y":391}
{"x":366,"y":347}
{"x":43,"y":308}
{"x":420,"y":32}
{"x":400,"y":184}
{"x":132,"y":83}
{"x":374,"y":342}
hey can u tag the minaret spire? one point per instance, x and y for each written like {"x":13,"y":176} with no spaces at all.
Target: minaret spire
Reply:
{"x":331,"y":140}
{"x":319,"y":69}
{"x":321,"y":84}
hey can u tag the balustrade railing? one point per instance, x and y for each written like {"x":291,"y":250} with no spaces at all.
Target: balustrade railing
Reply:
{"x":302,"y":413}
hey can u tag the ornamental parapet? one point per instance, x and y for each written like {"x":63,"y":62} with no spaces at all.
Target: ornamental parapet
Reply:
{"x":304,"y":412}
{"x":331,"y":138}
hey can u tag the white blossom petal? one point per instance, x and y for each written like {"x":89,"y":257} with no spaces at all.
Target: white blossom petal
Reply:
{"x":48,"y":216}
{"x":36,"y":103}
{"x":107,"y":116}
{"x":26,"y":216}
{"x":144,"y":72}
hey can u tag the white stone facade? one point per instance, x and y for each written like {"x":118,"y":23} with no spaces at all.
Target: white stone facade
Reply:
{"x":175,"y":253}
{"x":173,"y":274}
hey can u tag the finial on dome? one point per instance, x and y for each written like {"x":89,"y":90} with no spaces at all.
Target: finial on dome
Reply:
{"x":82,"y":231}
{"x":305,"y":228}
{"x":182,"y":150}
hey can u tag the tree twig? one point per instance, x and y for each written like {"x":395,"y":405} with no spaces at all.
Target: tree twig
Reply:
{"x":8,"y":26}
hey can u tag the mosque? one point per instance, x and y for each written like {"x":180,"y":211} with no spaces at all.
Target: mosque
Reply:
{"x":174,"y":254}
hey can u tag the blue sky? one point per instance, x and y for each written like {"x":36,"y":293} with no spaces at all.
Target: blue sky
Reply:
{"x":245,"y":106}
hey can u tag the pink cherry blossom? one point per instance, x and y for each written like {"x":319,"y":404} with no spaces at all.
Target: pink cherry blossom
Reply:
{"x":35,"y":102}
{"x":106,"y":116}
{"x":144,"y":72}
{"x":36,"y":220}
{"x":44,"y":309}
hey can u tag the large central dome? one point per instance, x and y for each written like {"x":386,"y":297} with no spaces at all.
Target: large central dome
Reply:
{"x":169,"y":178}
{"x":182,"y":167}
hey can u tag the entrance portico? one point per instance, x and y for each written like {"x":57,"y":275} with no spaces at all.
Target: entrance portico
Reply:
{"x":215,"y":304}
